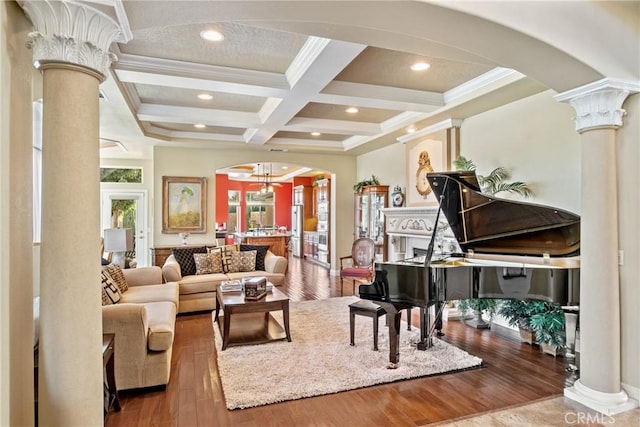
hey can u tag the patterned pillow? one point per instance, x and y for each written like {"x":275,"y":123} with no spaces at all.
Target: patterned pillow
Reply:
{"x":208,"y":263}
{"x":261,"y":253}
{"x":117,"y":275}
{"x":109,"y":289}
{"x":226,"y":252}
{"x":242,"y":261}
{"x":105,"y":298}
{"x":184,"y":256}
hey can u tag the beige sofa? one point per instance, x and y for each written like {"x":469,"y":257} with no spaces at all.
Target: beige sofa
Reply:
{"x":143,"y":322}
{"x":198,"y":292}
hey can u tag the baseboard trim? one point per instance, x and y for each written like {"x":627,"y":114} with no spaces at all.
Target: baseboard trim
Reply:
{"x":633,"y":392}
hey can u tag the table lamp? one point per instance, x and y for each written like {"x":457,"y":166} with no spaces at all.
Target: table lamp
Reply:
{"x":118,"y":241}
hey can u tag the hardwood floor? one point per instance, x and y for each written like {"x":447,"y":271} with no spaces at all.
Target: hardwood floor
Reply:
{"x":514,"y":374}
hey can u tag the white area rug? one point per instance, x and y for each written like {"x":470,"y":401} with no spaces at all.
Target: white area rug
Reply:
{"x":319,"y":360}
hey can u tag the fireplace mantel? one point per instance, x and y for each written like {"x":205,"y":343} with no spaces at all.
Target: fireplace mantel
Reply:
{"x":411,"y":227}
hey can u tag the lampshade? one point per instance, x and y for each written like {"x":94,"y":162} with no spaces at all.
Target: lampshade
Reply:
{"x":118,"y":239}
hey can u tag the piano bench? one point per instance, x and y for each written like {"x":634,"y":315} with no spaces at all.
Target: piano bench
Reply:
{"x":369,"y":309}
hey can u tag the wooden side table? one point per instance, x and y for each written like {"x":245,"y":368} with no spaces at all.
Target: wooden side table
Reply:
{"x":111,"y":392}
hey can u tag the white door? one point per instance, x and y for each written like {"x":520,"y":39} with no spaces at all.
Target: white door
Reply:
{"x":128,"y":209}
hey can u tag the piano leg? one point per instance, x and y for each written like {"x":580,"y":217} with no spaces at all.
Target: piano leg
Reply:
{"x":438,"y":322}
{"x":394,"y":315}
{"x":394,"y":339}
{"x":425,"y":326}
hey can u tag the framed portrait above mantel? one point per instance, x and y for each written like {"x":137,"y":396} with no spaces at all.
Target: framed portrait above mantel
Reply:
{"x":184,"y":204}
{"x":432,"y":153}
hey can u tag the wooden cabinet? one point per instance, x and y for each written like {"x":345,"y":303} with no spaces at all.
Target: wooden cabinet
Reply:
{"x":324,"y":221}
{"x":303,"y":195}
{"x":369,"y":219}
{"x":160,"y":254}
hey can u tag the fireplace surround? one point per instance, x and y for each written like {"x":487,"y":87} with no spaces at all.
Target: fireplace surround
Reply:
{"x":410,"y":228}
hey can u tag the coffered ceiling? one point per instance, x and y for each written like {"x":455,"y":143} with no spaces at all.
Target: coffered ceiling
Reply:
{"x":282,"y":90}
{"x":286,"y":72}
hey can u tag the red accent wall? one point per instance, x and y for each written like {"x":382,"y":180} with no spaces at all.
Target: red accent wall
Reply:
{"x":283,"y":198}
{"x":303,"y":180}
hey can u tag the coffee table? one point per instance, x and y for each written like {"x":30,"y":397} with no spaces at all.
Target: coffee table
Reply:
{"x":252,"y":320}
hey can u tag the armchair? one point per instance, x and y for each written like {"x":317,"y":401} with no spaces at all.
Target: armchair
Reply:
{"x":362,"y":258}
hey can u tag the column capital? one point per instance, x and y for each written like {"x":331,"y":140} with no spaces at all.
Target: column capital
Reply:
{"x":70,"y":32}
{"x":598,"y":105}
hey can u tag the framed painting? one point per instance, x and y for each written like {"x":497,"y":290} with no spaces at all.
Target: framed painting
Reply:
{"x":184,"y":204}
{"x":424,"y":156}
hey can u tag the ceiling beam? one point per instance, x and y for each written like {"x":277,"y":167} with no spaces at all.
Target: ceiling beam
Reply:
{"x":383,"y":97}
{"x":330,"y":59}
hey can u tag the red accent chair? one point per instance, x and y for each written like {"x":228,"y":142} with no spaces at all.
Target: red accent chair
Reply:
{"x":361,"y":267}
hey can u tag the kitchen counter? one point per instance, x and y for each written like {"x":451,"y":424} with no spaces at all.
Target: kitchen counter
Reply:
{"x":277,"y":242}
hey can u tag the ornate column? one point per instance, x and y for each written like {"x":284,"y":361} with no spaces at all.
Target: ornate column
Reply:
{"x":599,"y":114}
{"x":70,"y":45}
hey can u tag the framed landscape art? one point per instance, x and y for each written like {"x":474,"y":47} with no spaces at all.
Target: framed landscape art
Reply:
{"x":184,"y":204}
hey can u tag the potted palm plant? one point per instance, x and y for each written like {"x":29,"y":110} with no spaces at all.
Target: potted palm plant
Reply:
{"x":548,"y":326}
{"x":478,"y":306}
{"x":496,"y":181}
{"x":518,"y":314}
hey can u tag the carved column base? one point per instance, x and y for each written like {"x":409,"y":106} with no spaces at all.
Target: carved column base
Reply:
{"x":606,"y":403}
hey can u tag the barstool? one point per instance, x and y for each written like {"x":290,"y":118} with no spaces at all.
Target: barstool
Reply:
{"x":373,"y":310}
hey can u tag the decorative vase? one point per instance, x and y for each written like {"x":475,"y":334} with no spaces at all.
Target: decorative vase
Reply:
{"x":397,"y":197}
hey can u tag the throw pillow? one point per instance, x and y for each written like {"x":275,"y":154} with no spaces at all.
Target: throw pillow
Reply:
{"x":184,"y":256}
{"x":226,"y":251}
{"x":208,"y":263}
{"x":105,"y":298}
{"x":242,"y":261}
{"x":260,"y":255}
{"x":117,"y":275}
{"x":110,"y":289}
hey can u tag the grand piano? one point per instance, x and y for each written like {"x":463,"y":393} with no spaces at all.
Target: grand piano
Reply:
{"x":510,"y":250}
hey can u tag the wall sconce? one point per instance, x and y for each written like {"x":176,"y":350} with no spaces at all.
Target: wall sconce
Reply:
{"x":118,"y":241}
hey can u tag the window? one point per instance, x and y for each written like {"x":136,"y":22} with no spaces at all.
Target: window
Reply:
{"x":131,"y":175}
{"x":233,"y":216}
{"x":260,"y":210}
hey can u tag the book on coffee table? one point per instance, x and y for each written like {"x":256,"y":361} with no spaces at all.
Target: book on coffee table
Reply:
{"x":231,"y":286}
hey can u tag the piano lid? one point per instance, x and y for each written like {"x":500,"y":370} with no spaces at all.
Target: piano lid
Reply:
{"x":486,"y":224}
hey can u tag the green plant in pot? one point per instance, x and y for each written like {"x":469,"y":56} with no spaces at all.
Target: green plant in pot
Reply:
{"x":478,"y":306}
{"x":518,"y":314}
{"x":548,"y":326}
{"x":364,"y":183}
{"x":496,"y":181}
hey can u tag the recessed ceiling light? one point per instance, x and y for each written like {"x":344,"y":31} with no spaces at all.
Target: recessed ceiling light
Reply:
{"x":411,"y":129}
{"x":199,"y":126}
{"x":351,"y":110}
{"x":212,"y":35}
{"x":420,"y":66}
{"x":315,"y":134}
{"x":285,"y":167}
{"x":205,"y":96}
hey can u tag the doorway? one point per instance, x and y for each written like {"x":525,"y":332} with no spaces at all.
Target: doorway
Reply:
{"x":127,"y":209}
